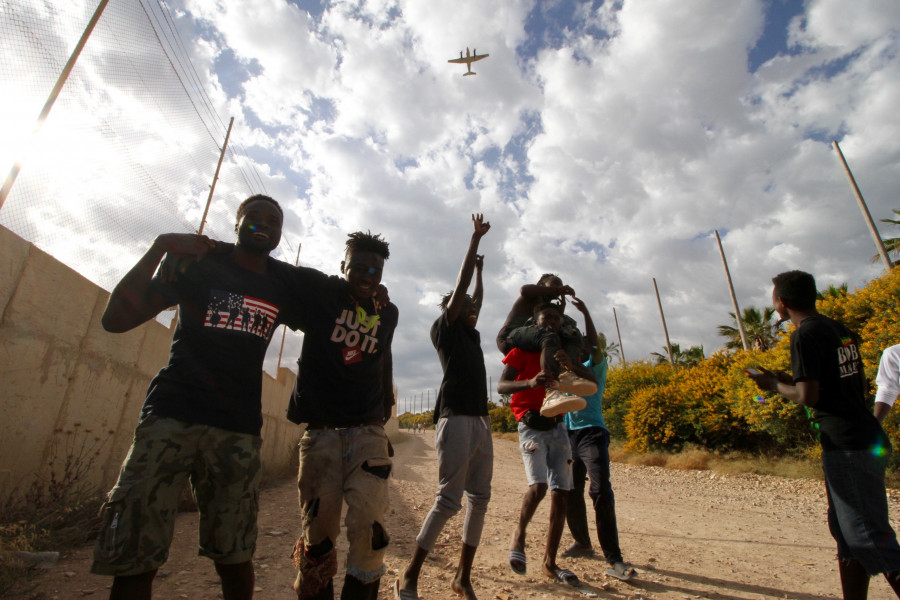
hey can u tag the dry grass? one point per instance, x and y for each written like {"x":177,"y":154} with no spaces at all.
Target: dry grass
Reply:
{"x":54,"y":511}
{"x":698,"y":459}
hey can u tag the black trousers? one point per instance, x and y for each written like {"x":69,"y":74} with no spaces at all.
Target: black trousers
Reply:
{"x":590,"y":456}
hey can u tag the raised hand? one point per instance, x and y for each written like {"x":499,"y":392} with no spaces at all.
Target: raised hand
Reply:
{"x":481,"y":226}
{"x":577,"y":303}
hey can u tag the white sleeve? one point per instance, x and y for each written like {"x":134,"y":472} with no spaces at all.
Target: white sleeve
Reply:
{"x":888,"y":378}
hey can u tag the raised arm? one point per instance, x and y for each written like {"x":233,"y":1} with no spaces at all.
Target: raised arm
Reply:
{"x":134,"y":301}
{"x":478,"y":292}
{"x":590,"y":331}
{"x":468,"y":267}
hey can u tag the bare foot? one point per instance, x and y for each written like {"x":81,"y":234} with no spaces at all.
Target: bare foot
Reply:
{"x":407,"y":585}
{"x":463,"y":589}
{"x":550,"y":570}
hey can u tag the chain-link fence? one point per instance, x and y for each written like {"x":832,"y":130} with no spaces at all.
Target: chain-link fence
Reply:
{"x":131,"y":145}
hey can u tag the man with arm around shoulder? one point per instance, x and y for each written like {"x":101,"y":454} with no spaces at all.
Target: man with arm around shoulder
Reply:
{"x":202,"y":417}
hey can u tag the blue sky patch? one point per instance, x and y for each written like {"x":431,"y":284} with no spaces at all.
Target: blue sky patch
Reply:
{"x":775,"y":35}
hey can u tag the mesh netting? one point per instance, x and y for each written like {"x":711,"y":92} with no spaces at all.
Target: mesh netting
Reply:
{"x":130,"y":147}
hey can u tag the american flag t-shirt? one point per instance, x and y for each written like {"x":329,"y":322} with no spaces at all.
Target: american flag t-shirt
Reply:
{"x":228,"y":310}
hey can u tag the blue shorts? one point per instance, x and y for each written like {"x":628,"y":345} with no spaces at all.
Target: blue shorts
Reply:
{"x":547,"y":456}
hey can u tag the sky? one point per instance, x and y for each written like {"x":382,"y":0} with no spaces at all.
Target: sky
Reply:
{"x":604,"y":141}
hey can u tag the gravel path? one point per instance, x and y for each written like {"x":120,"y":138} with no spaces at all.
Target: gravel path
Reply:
{"x":690,"y":534}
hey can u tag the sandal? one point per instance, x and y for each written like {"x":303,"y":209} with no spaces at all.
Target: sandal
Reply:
{"x":567,"y":577}
{"x":621,"y":571}
{"x":403,"y":594}
{"x":516,"y":558}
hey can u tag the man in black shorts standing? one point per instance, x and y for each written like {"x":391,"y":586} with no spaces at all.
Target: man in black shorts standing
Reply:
{"x":344,"y":394}
{"x":202,"y":418}
{"x":463,"y":433}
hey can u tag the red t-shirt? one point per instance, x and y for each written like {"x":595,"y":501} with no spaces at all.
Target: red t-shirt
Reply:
{"x":527,"y":364}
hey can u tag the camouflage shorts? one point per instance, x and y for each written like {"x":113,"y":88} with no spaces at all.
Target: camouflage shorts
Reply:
{"x":138,"y":517}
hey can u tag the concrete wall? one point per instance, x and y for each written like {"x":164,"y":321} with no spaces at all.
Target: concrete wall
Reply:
{"x":69,"y":389}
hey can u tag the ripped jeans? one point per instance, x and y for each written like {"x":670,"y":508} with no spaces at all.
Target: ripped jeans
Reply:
{"x":338,"y":465}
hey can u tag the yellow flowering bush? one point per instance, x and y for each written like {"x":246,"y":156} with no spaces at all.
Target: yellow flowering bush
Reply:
{"x":622,"y":382}
{"x":653,"y":421}
{"x":873,"y":312}
{"x":715,"y":404}
{"x":700,"y":405}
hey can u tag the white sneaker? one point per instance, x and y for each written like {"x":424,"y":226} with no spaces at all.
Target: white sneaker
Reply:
{"x":571,"y":383}
{"x":557,"y":403}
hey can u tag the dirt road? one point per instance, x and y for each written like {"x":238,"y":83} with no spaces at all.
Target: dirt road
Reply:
{"x":690,"y":534}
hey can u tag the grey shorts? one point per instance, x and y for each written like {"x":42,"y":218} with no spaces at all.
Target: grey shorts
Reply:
{"x":547,"y":456}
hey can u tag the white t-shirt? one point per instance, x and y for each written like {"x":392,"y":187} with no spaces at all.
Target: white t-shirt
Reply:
{"x":888,"y":379}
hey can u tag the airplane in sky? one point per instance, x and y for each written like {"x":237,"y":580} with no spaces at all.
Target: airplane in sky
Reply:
{"x":468,"y":60}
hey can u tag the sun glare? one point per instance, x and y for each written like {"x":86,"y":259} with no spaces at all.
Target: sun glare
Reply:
{"x":16,"y":122}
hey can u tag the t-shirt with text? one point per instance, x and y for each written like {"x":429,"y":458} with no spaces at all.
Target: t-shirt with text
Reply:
{"x":226,"y":317}
{"x":825,"y":351}
{"x":345,"y":362}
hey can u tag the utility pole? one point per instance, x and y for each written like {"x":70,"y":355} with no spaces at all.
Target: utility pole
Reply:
{"x":665,"y":329}
{"x":619,"y":335}
{"x":212,"y":188}
{"x":879,"y":244}
{"x":734,"y":302}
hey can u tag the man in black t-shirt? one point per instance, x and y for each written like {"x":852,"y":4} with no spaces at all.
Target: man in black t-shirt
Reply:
{"x":828,"y":378}
{"x":201,"y":419}
{"x":463,"y":432}
{"x":344,"y":393}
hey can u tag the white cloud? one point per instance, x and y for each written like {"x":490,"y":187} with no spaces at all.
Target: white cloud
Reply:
{"x":609,"y":155}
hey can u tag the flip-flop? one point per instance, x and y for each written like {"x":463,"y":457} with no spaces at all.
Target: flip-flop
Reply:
{"x":567,"y":577}
{"x":621,"y":571}
{"x":403,"y":594}
{"x":517,"y":557}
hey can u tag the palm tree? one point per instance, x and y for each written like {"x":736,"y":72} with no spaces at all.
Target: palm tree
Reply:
{"x":892,"y":245}
{"x":833,"y":291}
{"x":761,"y":330}
{"x":608,"y":350}
{"x":683,"y":358}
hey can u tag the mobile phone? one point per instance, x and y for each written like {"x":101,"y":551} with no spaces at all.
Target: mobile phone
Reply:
{"x":752,"y":372}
